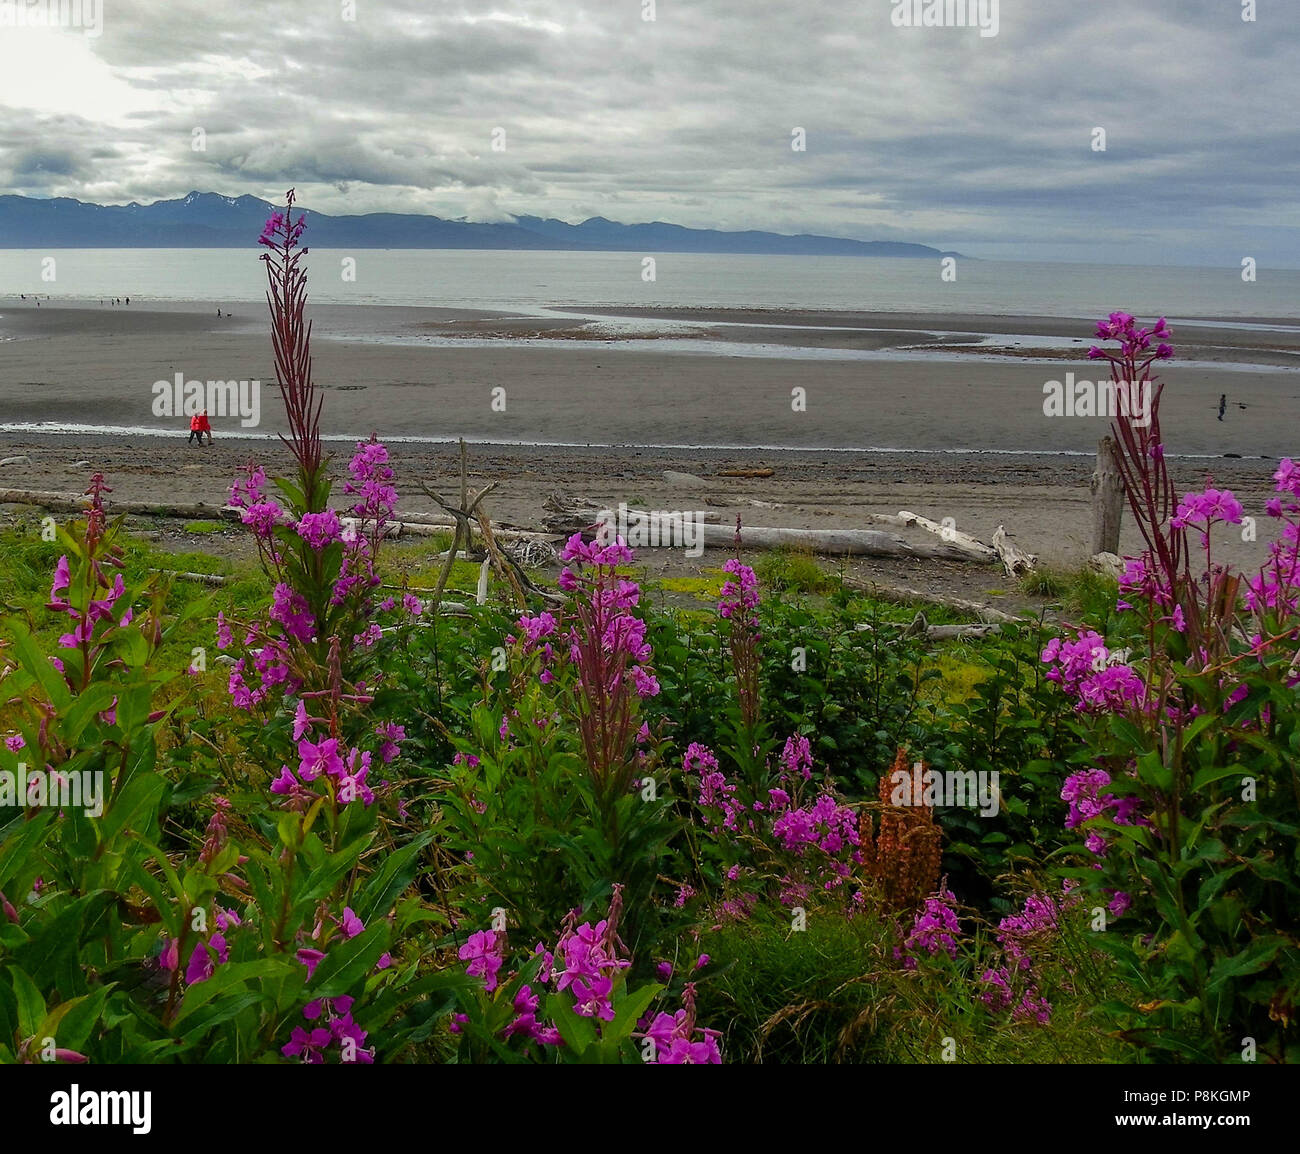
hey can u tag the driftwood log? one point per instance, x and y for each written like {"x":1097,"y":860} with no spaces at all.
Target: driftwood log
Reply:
{"x":921,"y":627}
{"x":902,"y":595}
{"x":202,"y":578}
{"x":572,"y":516}
{"x":77,"y":503}
{"x":1014,"y":560}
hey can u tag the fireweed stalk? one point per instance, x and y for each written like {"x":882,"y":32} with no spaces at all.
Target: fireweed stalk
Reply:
{"x":1205,"y":706}
{"x":318,"y":643}
{"x":738,"y":605}
{"x":772,"y":833}
{"x":608,"y":651}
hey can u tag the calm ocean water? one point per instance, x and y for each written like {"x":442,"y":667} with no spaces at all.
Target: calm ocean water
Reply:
{"x":527,"y":281}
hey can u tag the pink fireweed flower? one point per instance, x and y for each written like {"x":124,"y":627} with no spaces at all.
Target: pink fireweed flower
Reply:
{"x":796,"y":757}
{"x":307,"y":1046}
{"x":535,"y":628}
{"x":320,"y":529}
{"x":739,"y":598}
{"x":286,"y":783}
{"x":391,"y":736}
{"x":289,"y":608}
{"x":251,"y":489}
{"x":934,"y":930}
{"x":483,"y":951}
{"x":311,"y":958}
{"x":352,"y":784}
{"x":262,"y":517}
{"x":62,"y":581}
{"x":369,"y":636}
{"x":319,"y":757}
{"x":302,"y":721}
{"x":1203,"y":509}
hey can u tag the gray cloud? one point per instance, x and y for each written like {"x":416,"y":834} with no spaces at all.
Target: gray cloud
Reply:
{"x":936,"y":135}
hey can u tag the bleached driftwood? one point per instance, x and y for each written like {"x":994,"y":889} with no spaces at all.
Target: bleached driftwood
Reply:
{"x":571,"y":516}
{"x":921,"y":627}
{"x":902,"y":595}
{"x":202,"y":578}
{"x":1014,"y":560}
{"x":947,"y":533}
{"x":78,"y":503}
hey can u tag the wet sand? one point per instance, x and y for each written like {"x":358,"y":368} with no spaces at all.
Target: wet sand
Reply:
{"x":963,"y":436}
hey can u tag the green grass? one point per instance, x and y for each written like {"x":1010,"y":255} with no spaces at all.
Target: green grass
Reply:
{"x":793,"y":570}
{"x":1078,"y":591}
{"x":206,"y":526}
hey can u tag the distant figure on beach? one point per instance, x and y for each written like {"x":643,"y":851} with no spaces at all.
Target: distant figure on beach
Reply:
{"x":199,"y":425}
{"x":1223,"y":404}
{"x":128,"y":300}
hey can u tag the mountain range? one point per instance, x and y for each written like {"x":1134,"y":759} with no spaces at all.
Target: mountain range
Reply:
{"x":207,"y":220}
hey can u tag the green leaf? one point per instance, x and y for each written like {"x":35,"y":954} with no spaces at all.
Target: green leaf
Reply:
{"x":1255,"y":957}
{"x":630,"y":1010}
{"x":31,"y":1006}
{"x":82,"y":1015}
{"x":230,"y":976}
{"x":348,"y":963}
{"x":94,"y":699}
{"x":579,"y":1033}
{"x":141,"y":795}
{"x":1215,"y":773}
{"x":388,"y":882}
{"x":34,"y":660}
{"x":21,"y":843}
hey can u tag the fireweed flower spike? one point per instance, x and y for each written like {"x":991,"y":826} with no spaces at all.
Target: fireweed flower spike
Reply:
{"x":738,"y":605}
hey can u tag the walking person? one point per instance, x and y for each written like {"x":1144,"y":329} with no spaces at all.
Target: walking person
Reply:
{"x":1223,"y":404}
{"x":199,"y":425}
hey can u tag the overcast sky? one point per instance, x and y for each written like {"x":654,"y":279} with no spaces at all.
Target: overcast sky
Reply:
{"x":941,"y":136}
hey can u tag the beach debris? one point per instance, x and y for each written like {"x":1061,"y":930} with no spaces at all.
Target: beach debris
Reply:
{"x":79,"y":465}
{"x":76,"y":503}
{"x":1014,"y":560}
{"x":572,"y":516}
{"x":531,"y":553}
{"x":903,"y":595}
{"x":15,"y":461}
{"x":688,"y":479}
{"x":201,"y":578}
{"x":946,"y":532}
{"x":921,"y":627}
{"x":753,"y":473}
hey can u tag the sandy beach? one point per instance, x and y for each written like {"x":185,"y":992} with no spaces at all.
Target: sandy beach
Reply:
{"x":896,"y":411}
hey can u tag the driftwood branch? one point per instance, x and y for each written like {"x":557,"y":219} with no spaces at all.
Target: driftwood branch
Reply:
{"x":1014,"y":560}
{"x":202,"y":578}
{"x":921,"y":627}
{"x":901,"y":595}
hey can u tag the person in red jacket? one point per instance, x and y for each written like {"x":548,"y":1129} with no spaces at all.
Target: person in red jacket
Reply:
{"x":199,"y":425}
